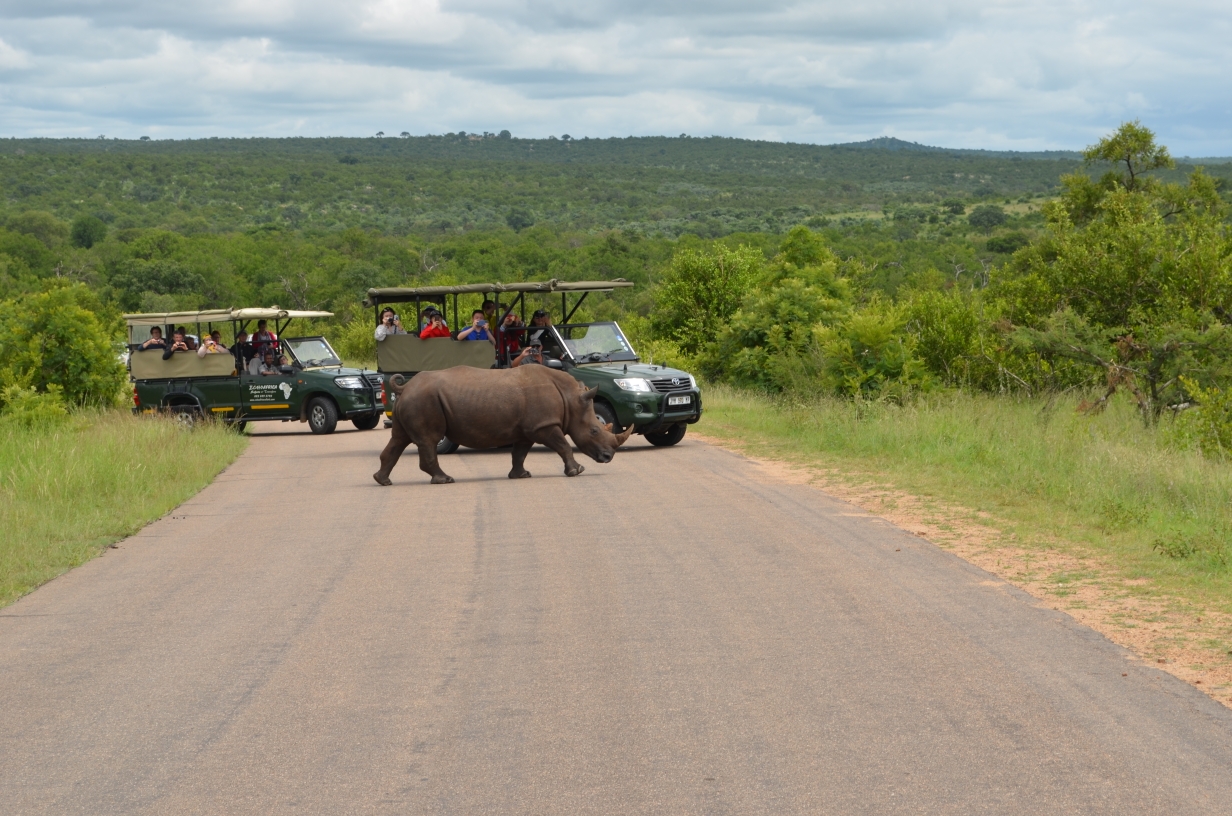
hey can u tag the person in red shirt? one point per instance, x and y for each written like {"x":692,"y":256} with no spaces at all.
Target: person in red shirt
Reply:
{"x":509,"y":338}
{"x":436,"y":327}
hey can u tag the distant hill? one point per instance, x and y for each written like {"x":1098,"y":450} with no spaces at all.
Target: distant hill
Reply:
{"x":461,"y":181}
{"x":892,"y":144}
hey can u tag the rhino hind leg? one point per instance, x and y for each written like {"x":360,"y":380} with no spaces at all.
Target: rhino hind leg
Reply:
{"x":519,"y":461}
{"x":429,"y":464}
{"x":555,"y":439}
{"x":398,"y":440}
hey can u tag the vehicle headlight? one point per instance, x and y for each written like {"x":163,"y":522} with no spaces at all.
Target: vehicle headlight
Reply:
{"x":633,"y":384}
{"x":693,"y":382}
{"x":350,"y":383}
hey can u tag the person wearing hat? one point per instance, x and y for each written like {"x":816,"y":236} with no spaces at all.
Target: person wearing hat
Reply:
{"x":531,"y":355}
{"x":436,"y":326}
{"x":539,"y":321}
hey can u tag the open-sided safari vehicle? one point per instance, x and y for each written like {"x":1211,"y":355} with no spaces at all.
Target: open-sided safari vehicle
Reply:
{"x":310,"y":384}
{"x":656,"y":401}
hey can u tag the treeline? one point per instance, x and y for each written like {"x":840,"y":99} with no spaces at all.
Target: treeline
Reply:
{"x":458,"y":182}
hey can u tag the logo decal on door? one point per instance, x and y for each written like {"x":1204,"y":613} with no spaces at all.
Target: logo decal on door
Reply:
{"x":286,"y":390}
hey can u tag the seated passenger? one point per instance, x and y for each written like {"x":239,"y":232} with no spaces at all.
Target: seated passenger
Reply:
{"x":178,"y":343}
{"x":390,"y":324}
{"x":531,"y":355}
{"x":436,"y":327}
{"x":270,"y":363}
{"x":212,"y":345}
{"x":156,"y":340}
{"x":478,"y":330}
{"x":538,"y":322}
{"x":189,"y":340}
{"x":509,"y":337}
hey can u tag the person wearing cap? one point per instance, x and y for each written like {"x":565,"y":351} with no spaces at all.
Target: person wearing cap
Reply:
{"x":539,"y":321}
{"x":212,"y":344}
{"x":436,"y":326}
{"x":531,"y":355}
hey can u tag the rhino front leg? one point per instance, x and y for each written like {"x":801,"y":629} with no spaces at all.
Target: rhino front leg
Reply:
{"x":519,"y":471}
{"x":555,"y":439}
{"x":428,"y":462}
{"x":398,"y":440}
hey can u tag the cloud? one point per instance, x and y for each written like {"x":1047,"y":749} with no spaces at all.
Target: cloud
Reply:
{"x":997,"y":73}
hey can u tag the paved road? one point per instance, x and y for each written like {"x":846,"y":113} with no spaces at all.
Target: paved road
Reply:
{"x":670,"y":634}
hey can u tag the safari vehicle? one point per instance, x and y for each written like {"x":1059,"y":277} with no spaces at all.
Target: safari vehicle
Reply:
{"x":312,"y":387}
{"x":658,"y":402}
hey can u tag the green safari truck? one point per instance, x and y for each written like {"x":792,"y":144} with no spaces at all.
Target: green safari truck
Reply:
{"x":658,"y":402}
{"x":311,"y":385}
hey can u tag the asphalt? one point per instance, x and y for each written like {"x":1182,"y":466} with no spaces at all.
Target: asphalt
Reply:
{"x":672,"y":633}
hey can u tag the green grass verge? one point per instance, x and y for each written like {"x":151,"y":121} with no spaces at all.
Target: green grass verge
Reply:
{"x":65,"y":494}
{"x":1049,"y":476}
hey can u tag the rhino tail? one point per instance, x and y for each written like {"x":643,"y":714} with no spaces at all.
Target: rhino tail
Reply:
{"x":397,"y":382}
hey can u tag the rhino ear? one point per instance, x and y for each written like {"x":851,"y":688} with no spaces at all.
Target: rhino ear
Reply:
{"x":589,"y":394}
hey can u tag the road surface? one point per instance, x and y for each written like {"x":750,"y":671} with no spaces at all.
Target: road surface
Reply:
{"x":672,"y":633}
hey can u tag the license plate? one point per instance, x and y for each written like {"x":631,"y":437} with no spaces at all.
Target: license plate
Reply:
{"x":679,"y":400}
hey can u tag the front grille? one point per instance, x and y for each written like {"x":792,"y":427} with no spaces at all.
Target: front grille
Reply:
{"x":668,"y":385}
{"x":374,"y":380}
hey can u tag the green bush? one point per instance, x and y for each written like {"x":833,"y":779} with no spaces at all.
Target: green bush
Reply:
{"x":1207,"y":425}
{"x":33,"y":409}
{"x":701,"y":291}
{"x":355,"y":341}
{"x":51,"y":339}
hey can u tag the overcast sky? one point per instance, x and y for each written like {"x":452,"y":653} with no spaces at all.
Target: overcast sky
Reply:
{"x":957,"y":73}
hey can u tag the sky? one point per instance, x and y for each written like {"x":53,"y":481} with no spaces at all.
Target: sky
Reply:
{"x":996,"y":74}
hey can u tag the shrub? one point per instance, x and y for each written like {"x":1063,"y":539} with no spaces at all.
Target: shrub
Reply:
{"x":355,"y":341}
{"x":33,"y":409}
{"x":1208,"y":425}
{"x":700,"y":293}
{"x":88,"y":231}
{"x":50,"y":338}
{"x":987,"y":216}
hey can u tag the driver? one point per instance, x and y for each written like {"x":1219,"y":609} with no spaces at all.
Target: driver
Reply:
{"x":531,"y":355}
{"x":271,"y":364}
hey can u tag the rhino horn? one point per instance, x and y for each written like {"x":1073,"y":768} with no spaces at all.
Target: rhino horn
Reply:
{"x":623,"y":437}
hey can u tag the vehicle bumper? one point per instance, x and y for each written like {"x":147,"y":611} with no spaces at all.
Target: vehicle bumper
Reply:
{"x":650,"y":412}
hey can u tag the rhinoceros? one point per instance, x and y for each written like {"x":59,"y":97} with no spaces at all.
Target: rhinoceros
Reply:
{"x":491,"y":408}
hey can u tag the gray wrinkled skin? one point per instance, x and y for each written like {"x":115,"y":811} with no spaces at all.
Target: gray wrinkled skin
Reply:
{"x":490,"y":408}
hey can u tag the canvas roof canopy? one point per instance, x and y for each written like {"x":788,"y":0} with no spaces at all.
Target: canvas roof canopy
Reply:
{"x":398,"y":294}
{"x":218,"y":316}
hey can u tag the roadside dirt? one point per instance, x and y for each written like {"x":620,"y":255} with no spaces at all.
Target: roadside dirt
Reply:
{"x":1189,"y":643}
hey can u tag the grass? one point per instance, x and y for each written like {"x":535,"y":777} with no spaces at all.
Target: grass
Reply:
{"x":1049,"y":476}
{"x":67,"y":493}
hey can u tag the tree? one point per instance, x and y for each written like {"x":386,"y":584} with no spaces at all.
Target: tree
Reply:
{"x":52,"y":339}
{"x":701,"y":291}
{"x":1133,"y":146}
{"x":44,"y":226}
{"x":987,"y":217}
{"x":88,"y":231}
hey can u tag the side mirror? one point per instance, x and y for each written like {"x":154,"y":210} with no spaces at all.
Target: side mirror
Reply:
{"x":288,"y":370}
{"x":555,"y":364}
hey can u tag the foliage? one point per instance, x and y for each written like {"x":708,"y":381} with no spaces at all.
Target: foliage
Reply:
{"x":53,"y":338}
{"x":1207,"y":425}
{"x":987,"y":216}
{"x":356,"y":340}
{"x":88,"y":230}
{"x":700,"y":292}
{"x":32,"y":409}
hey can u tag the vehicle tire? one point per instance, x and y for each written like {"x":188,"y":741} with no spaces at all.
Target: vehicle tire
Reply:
{"x":607,"y":415}
{"x":186,"y":416}
{"x":667,"y":438}
{"x":366,"y":422}
{"x":446,"y":446}
{"x":239,"y":426}
{"x":322,"y":416}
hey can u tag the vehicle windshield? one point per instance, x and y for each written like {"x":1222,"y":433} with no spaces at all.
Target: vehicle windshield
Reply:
{"x":598,"y":342}
{"x":312,"y":352}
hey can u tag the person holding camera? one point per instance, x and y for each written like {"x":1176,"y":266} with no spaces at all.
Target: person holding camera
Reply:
{"x":531,"y":355}
{"x":478,"y":330}
{"x":179,"y":342}
{"x":436,"y":327}
{"x":390,"y":324}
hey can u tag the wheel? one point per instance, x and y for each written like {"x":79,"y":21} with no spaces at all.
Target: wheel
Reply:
{"x":322,"y":416}
{"x":186,"y":416}
{"x":607,"y":416}
{"x":446,"y":445}
{"x":239,"y":426}
{"x":665,"y":439}
{"x":366,"y":422}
